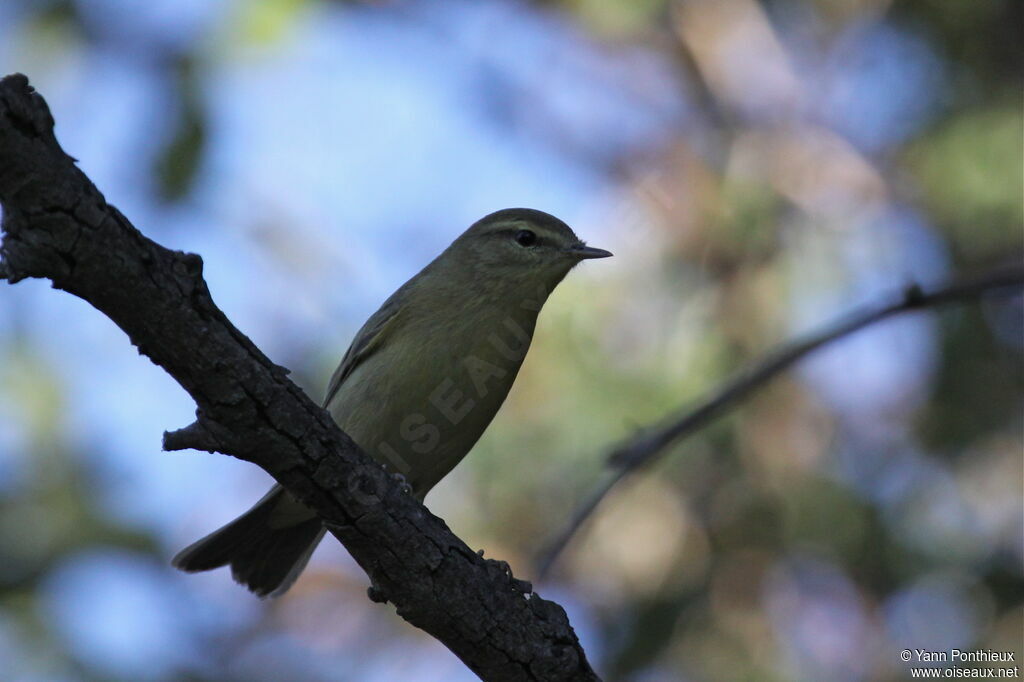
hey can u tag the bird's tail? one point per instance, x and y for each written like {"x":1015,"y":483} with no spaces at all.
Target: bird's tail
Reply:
{"x":267,"y":547}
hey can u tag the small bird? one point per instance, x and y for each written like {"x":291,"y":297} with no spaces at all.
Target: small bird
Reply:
{"x":421,"y":381}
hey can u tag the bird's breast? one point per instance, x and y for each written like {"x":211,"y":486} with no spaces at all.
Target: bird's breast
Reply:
{"x":421,"y":402}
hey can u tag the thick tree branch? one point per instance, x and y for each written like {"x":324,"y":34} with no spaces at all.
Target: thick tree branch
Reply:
{"x":57,"y":225}
{"x":653,"y":442}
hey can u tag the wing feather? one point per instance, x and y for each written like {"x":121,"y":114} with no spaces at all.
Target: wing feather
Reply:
{"x":369,"y":339}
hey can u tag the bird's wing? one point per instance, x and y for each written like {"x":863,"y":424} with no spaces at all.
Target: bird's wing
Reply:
{"x":368,"y":340}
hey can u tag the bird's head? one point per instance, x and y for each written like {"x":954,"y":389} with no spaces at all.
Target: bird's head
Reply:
{"x":522,"y":245}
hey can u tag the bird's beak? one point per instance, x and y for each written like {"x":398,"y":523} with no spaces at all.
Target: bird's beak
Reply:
{"x":582,"y":251}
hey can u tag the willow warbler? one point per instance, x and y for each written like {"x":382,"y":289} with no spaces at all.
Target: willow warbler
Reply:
{"x":421,"y":381}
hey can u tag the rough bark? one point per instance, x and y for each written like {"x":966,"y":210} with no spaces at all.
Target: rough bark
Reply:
{"x":57,"y":225}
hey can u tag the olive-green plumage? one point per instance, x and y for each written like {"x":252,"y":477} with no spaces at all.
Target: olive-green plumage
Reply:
{"x":421,"y":381}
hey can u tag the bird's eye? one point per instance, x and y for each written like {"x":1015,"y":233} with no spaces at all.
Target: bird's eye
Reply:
{"x":526,"y":238}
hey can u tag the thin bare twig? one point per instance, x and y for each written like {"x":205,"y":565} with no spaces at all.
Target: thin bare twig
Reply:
{"x":654,"y":441}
